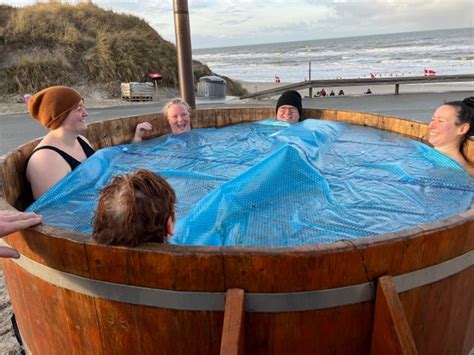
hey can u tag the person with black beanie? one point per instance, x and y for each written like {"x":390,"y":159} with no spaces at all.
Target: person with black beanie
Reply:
{"x":289,"y":107}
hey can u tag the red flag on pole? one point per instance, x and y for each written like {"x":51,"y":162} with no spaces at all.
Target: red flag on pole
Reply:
{"x":429,"y":72}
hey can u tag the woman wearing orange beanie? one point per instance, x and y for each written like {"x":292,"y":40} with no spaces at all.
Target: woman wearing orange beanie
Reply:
{"x":60,"y":109}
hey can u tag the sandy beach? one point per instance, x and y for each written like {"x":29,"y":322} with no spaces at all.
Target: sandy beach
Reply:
{"x":376,"y":89}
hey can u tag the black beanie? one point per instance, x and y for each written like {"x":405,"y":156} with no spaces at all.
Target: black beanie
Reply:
{"x":292,"y":98}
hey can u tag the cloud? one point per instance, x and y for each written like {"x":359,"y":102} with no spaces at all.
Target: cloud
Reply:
{"x":402,"y":16}
{"x":281,"y":21}
{"x":228,"y":22}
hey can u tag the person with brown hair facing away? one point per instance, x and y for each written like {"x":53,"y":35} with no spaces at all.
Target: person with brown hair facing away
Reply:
{"x":177,"y":113}
{"x":135,"y":208}
{"x":450,"y":127}
{"x":61,"y":109}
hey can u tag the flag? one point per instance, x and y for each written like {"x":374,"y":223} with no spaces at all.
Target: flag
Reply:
{"x":429,"y":72}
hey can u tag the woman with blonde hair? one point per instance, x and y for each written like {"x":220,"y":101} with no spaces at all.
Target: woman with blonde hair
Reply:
{"x":177,"y":113}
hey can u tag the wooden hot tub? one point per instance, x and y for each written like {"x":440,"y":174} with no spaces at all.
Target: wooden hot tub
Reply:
{"x":404,"y":292}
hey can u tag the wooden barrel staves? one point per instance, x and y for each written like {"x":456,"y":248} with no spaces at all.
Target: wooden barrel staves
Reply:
{"x":409,"y":291}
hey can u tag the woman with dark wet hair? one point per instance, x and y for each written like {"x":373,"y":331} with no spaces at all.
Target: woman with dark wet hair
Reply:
{"x":451,"y":125}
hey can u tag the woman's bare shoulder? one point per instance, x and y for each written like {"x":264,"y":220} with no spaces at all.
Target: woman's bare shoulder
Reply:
{"x":45,"y":168}
{"x":45,"y":162}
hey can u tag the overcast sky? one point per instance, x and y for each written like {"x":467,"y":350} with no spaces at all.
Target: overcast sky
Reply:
{"x":219,"y":23}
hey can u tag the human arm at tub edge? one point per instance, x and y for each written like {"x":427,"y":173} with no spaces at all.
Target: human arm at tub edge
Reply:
{"x":12,"y":221}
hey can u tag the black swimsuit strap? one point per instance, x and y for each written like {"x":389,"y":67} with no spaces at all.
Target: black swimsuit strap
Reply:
{"x":27,"y":195}
{"x":73,"y":162}
{"x":88,"y":151}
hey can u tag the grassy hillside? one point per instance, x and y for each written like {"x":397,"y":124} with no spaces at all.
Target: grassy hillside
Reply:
{"x":53,"y":43}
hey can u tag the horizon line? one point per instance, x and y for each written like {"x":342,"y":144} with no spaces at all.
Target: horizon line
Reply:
{"x":326,"y":38}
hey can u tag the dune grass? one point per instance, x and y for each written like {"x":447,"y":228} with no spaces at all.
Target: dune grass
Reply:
{"x":57,"y":43}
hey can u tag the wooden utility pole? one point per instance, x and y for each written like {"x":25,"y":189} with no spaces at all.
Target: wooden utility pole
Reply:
{"x":184,"y":51}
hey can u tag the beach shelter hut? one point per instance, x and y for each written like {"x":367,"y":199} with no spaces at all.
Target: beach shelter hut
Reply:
{"x":212,"y":87}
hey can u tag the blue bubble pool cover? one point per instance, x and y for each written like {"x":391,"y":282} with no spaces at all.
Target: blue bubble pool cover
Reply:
{"x":269,"y":183}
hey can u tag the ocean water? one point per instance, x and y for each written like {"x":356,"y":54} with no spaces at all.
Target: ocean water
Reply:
{"x":403,"y":54}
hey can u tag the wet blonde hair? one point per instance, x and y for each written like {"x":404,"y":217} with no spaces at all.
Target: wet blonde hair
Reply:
{"x":175,"y":101}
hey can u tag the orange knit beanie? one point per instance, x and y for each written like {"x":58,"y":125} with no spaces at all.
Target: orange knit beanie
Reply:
{"x":52,"y":105}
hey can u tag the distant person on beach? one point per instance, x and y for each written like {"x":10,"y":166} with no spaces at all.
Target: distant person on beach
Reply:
{"x":61,"y":109}
{"x":341,"y":93}
{"x":450,"y":127}
{"x":368,"y":92}
{"x":134,"y":209}
{"x":177,"y":113}
{"x":322,"y":92}
{"x":13,"y":221}
{"x":289,"y":107}
{"x":332,"y":93}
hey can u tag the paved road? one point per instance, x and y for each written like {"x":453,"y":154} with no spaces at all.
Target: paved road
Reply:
{"x":17,"y":129}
